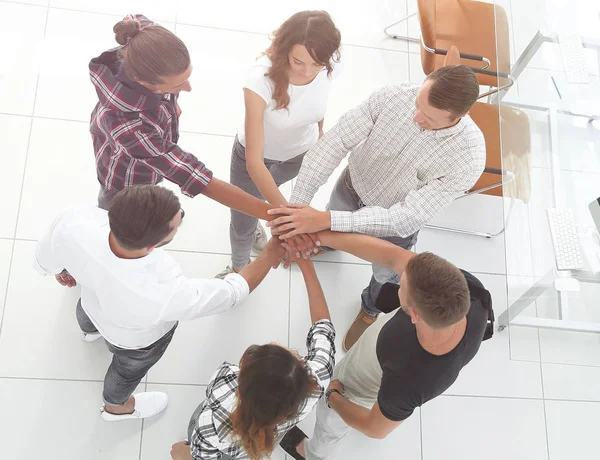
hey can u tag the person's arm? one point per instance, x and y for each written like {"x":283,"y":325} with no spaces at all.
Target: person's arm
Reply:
{"x":255,"y":144}
{"x":374,"y":250}
{"x":46,"y":260}
{"x":321,"y":128}
{"x":235,"y":198}
{"x":198,"y":297}
{"x":370,"y":422}
{"x":402,"y":219}
{"x":316,"y":299}
{"x":352,"y":128}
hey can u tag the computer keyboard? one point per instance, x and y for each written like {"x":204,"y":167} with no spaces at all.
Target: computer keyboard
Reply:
{"x":567,"y":249}
{"x":571,"y":49}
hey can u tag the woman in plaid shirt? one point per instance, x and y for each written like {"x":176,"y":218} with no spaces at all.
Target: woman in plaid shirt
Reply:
{"x":250,"y":407}
{"x":135,"y":124}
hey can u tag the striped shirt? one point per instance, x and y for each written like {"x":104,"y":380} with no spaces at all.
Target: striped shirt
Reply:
{"x":403,"y":174}
{"x":135,"y":131}
{"x":212,"y":437}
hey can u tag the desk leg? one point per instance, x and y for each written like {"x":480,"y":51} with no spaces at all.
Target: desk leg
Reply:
{"x":532,"y":294}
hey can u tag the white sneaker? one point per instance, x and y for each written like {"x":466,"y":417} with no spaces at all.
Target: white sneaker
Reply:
{"x":260,"y":238}
{"x":226,"y":271}
{"x":147,"y":405}
{"x":90,"y":337}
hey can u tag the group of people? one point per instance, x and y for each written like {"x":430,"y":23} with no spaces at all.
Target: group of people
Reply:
{"x":411,"y":151}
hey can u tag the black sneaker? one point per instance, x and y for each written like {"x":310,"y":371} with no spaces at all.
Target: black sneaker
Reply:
{"x":291,"y":440}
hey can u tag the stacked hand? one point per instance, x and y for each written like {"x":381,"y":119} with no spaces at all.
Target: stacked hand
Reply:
{"x":297,"y":227}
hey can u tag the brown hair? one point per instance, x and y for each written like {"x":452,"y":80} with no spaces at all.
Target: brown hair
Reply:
{"x":437,"y":290}
{"x":454,"y":88}
{"x":313,"y":29}
{"x":272,"y":385}
{"x":140,"y":216}
{"x":150,"y":53}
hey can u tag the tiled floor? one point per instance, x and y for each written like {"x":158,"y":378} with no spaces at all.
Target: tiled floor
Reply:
{"x":505,"y":404}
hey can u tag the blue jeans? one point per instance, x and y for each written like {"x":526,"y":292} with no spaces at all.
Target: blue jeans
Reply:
{"x":344,"y":198}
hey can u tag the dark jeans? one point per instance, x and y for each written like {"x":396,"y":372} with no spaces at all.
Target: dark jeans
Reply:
{"x":128,"y":367}
{"x":344,"y":198}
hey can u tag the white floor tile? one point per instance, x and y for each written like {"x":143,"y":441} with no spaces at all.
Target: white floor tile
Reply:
{"x":207,"y":342}
{"x":492,"y":372}
{"x":571,"y":382}
{"x":32,"y":2}
{"x":478,"y":213}
{"x":358,"y":446}
{"x":572,"y":430}
{"x":171,"y":427}
{"x":6,"y":247}
{"x":365,"y":70}
{"x":60,"y":174}
{"x":65,"y":91}
{"x":40,"y":336}
{"x":20,"y":60}
{"x":63,"y":418}
{"x":498,"y":429}
{"x":344,"y":304}
{"x":216,"y":103}
{"x":15,"y":132}
{"x":156,"y":10}
{"x":416,"y":69}
{"x":233,"y":15}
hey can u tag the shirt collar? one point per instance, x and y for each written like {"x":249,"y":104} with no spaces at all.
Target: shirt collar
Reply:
{"x":134,"y":85}
{"x":452,"y":130}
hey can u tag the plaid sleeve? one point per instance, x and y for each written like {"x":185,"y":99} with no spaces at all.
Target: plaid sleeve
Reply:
{"x":140,"y":140}
{"x":320,"y":344}
{"x":352,"y":128}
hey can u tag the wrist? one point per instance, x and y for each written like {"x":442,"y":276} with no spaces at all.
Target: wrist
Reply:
{"x":331,"y":396}
{"x":325,"y":220}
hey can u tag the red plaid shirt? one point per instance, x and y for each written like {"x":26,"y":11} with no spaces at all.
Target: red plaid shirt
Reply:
{"x":135,"y":132}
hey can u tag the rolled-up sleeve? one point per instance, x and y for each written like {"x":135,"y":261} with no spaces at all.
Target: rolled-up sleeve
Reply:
{"x":320,"y":344}
{"x":194,"y":298}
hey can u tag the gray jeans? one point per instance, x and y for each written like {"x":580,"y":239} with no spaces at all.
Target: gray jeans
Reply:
{"x":345,"y":198}
{"x":243,"y":226}
{"x":128,"y":367}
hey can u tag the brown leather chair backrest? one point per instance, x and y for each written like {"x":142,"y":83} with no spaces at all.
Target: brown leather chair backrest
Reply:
{"x":428,"y":35}
{"x":453,"y":57}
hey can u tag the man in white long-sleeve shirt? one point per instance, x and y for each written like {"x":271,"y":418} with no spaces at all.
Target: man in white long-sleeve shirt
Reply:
{"x":132,"y":292}
{"x":413,"y":150}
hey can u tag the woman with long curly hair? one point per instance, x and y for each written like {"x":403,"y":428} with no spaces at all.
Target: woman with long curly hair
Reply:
{"x":285,"y":98}
{"x":249,"y":407}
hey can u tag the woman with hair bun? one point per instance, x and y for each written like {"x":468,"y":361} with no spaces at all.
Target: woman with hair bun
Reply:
{"x":135,"y":125}
{"x":285,"y":97}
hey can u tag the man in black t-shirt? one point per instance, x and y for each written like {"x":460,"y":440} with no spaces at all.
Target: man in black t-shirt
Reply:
{"x":405,"y":358}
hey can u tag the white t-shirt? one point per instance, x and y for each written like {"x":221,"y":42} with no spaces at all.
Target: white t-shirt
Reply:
{"x":288,"y":133}
{"x":132,"y":302}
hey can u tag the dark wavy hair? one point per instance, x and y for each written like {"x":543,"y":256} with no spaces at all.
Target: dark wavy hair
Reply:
{"x":272,"y":385}
{"x":314,"y":30}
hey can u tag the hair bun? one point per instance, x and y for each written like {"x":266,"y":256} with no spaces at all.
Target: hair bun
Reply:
{"x":125,"y":30}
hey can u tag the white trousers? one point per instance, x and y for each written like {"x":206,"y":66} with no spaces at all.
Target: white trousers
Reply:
{"x":330,"y":431}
